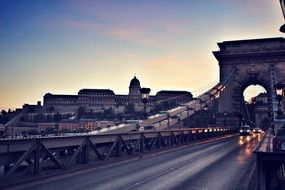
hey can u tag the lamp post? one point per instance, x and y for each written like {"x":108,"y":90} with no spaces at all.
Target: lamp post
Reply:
{"x":145,"y":95}
{"x":201,"y":102}
{"x":214,"y":120}
{"x":206,"y":114}
{"x":282,"y":3}
{"x":242,"y":122}
{"x":279,"y":88}
{"x":225,"y":117}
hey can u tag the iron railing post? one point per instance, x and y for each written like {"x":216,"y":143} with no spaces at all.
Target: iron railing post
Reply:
{"x":37,"y":154}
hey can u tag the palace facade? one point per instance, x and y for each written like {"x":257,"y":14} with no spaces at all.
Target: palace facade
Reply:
{"x":98,"y":100}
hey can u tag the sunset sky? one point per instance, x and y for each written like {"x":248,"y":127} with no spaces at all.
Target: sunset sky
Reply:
{"x":62,"y":46}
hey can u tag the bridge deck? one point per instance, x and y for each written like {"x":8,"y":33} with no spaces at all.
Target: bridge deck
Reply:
{"x":264,"y":150}
{"x":266,"y":143}
{"x":196,"y":167}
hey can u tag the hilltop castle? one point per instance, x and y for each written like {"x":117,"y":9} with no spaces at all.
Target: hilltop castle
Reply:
{"x":98,"y":100}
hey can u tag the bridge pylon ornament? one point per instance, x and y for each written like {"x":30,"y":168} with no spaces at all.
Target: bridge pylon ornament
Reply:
{"x":252,"y":69}
{"x":253,"y":74}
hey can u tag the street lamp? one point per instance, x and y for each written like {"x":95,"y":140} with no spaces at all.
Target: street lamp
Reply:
{"x":279,"y":88}
{"x":206,"y":114}
{"x":214,"y":121}
{"x":282,"y":3}
{"x":145,"y":95}
{"x":243,"y":121}
{"x":225,"y":116}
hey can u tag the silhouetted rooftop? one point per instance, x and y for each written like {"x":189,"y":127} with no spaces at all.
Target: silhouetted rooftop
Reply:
{"x":262,"y":95}
{"x":105,"y":91}
{"x":49,"y":95}
{"x":135,"y":82}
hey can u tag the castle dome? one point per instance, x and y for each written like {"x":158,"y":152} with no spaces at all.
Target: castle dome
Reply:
{"x":135,"y":82}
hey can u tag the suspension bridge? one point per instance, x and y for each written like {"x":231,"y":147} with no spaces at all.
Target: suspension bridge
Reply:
{"x":185,"y":157}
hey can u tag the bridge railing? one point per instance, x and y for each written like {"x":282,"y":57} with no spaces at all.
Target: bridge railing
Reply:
{"x":182,"y":111}
{"x":41,"y":154}
{"x":269,"y":164}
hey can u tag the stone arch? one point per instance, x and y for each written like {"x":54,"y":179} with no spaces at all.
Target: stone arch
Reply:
{"x":242,"y":84}
{"x":253,"y":61}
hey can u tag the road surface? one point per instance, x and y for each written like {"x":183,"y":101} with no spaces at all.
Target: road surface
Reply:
{"x":222,"y":164}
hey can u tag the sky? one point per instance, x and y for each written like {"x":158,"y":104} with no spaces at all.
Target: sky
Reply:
{"x":62,"y":46}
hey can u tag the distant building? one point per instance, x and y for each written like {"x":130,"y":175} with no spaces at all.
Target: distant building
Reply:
{"x":261,"y":111}
{"x":98,"y":100}
{"x":75,"y":125}
{"x":28,"y":108}
{"x":61,"y":103}
{"x":43,"y":126}
{"x":134,"y":91}
{"x":261,"y":99}
{"x":121,"y":100}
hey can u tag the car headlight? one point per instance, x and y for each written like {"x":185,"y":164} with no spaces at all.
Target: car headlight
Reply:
{"x":247,"y":130}
{"x":240,"y":131}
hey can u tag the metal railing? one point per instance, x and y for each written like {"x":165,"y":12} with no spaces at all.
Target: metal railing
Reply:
{"x":39,"y":154}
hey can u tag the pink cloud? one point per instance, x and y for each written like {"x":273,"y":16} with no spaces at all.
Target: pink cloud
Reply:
{"x":144,"y":34}
{"x":146,"y":24}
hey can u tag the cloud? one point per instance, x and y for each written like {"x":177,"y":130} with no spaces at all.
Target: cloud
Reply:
{"x":149,"y":24}
{"x":129,"y":33}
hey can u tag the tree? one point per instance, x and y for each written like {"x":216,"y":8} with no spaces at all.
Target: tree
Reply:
{"x":108,"y":113}
{"x":81,"y":112}
{"x":48,"y":118}
{"x":130,"y":109}
{"x":3,"y":112}
{"x":33,"y":132}
{"x":57,"y":117}
{"x":49,"y":130}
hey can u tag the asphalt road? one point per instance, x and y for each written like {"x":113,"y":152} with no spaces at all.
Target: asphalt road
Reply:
{"x":222,"y":164}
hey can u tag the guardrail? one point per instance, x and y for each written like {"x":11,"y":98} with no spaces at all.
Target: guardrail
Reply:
{"x":269,"y":165}
{"x":36,"y":155}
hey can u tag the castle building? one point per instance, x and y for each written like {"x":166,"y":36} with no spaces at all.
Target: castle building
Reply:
{"x":98,"y":100}
{"x":134,"y":91}
{"x":60,"y":103}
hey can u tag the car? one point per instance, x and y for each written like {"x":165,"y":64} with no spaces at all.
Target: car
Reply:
{"x":245,"y":130}
{"x":279,"y":140}
{"x":257,"y":130}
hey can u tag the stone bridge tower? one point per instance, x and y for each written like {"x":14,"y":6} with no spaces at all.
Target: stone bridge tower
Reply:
{"x":252,"y":60}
